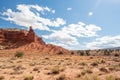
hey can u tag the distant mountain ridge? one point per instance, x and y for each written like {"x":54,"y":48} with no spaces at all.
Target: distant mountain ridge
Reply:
{"x":114,"y":48}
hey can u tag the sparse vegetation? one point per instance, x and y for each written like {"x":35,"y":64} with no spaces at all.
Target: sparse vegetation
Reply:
{"x":102,"y":61}
{"x":60,"y":53}
{"x":110,"y":77}
{"x":78,"y":75}
{"x":86,"y":71}
{"x":88,"y":52}
{"x":91,"y":77}
{"x":29,"y":77}
{"x":2,"y":77}
{"x":83,"y":64}
{"x":55,"y":70}
{"x":60,"y":77}
{"x":81,"y":53}
{"x":72,"y":53}
{"x":106,"y":52}
{"x":116,"y":55}
{"x":116,"y":59}
{"x":32,"y":64}
{"x":94,"y":64}
{"x":19,"y":54}
{"x":63,"y":67}
{"x":104,"y":70}
{"x":35,"y":69}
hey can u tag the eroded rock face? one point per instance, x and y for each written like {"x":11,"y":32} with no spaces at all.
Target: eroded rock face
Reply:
{"x":54,"y":49}
{"x":44,"y":49}
{"x":14,"y":38}
{"x":24,"y":40}
{"x":16,"y":35}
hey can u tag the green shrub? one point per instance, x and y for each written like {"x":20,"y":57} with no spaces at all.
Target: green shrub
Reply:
{"x":81,"y":53}
{"x":87,"y":52}
{"x":19,"y":54}
{"x":106,"y":52}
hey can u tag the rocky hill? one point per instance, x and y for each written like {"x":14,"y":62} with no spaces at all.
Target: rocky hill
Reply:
{"x":23,"y":40}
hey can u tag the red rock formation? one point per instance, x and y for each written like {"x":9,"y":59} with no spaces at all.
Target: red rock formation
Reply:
{"x":45,"y":49}
{"x":16,"y":35}
{"x":11,"y":35}
{"x":27,"y":41}
{"x":32,"y":37}
{"x":1,"y":36}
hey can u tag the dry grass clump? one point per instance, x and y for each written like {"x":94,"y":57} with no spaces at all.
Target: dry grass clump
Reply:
{"x":82,"y":64}
{"x":116,"y":55}
{"x":32,"y":64}
{"x":55,"y":70}
{"x":18,"y":68}
{"x":103,"y":69}
{"x":114,"y":67}
{"x":102,"y":61}
{"x":29,"y":77}
{"x":13,"y":58}
{"x":94,"y":64}
{"x":90,"y":77}
{"x":47,"y":58}
{"x":111,"y":68}
{"x":116,"y":59}
{"x":78,"y":75}
{"x":16,"y":72}
{"x":60,"y":77}
{"x":86,"y":71}
{"x":36,"y":69}
{"x":117,"y":67}
{"x":2,"y":77}
{"x":112,"y":77}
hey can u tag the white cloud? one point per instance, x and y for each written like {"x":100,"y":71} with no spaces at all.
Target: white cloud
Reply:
{"x":30,"y":15}
{"x":53,"y":11}
{"x":105,"y":42}
{"x":90,"y":13}
{"x":69,"y":9}
{"x":81,"y":30}
{"x":62,"y":37}
{"x":68,"y":36}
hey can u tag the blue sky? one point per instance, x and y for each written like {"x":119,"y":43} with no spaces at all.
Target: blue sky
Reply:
{"x":73,"y":24}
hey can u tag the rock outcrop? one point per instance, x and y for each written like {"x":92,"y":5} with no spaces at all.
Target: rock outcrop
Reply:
{"x":16,"y":35}
{"x":27,"y":41}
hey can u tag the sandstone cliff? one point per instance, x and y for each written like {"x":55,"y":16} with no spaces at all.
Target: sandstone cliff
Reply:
{"x":24,"y":40}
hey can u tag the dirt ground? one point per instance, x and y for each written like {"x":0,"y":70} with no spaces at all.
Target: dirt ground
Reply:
{"x":36,"y":66}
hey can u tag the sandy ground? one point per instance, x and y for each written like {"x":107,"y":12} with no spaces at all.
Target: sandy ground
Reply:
{"x":58,"y":67}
